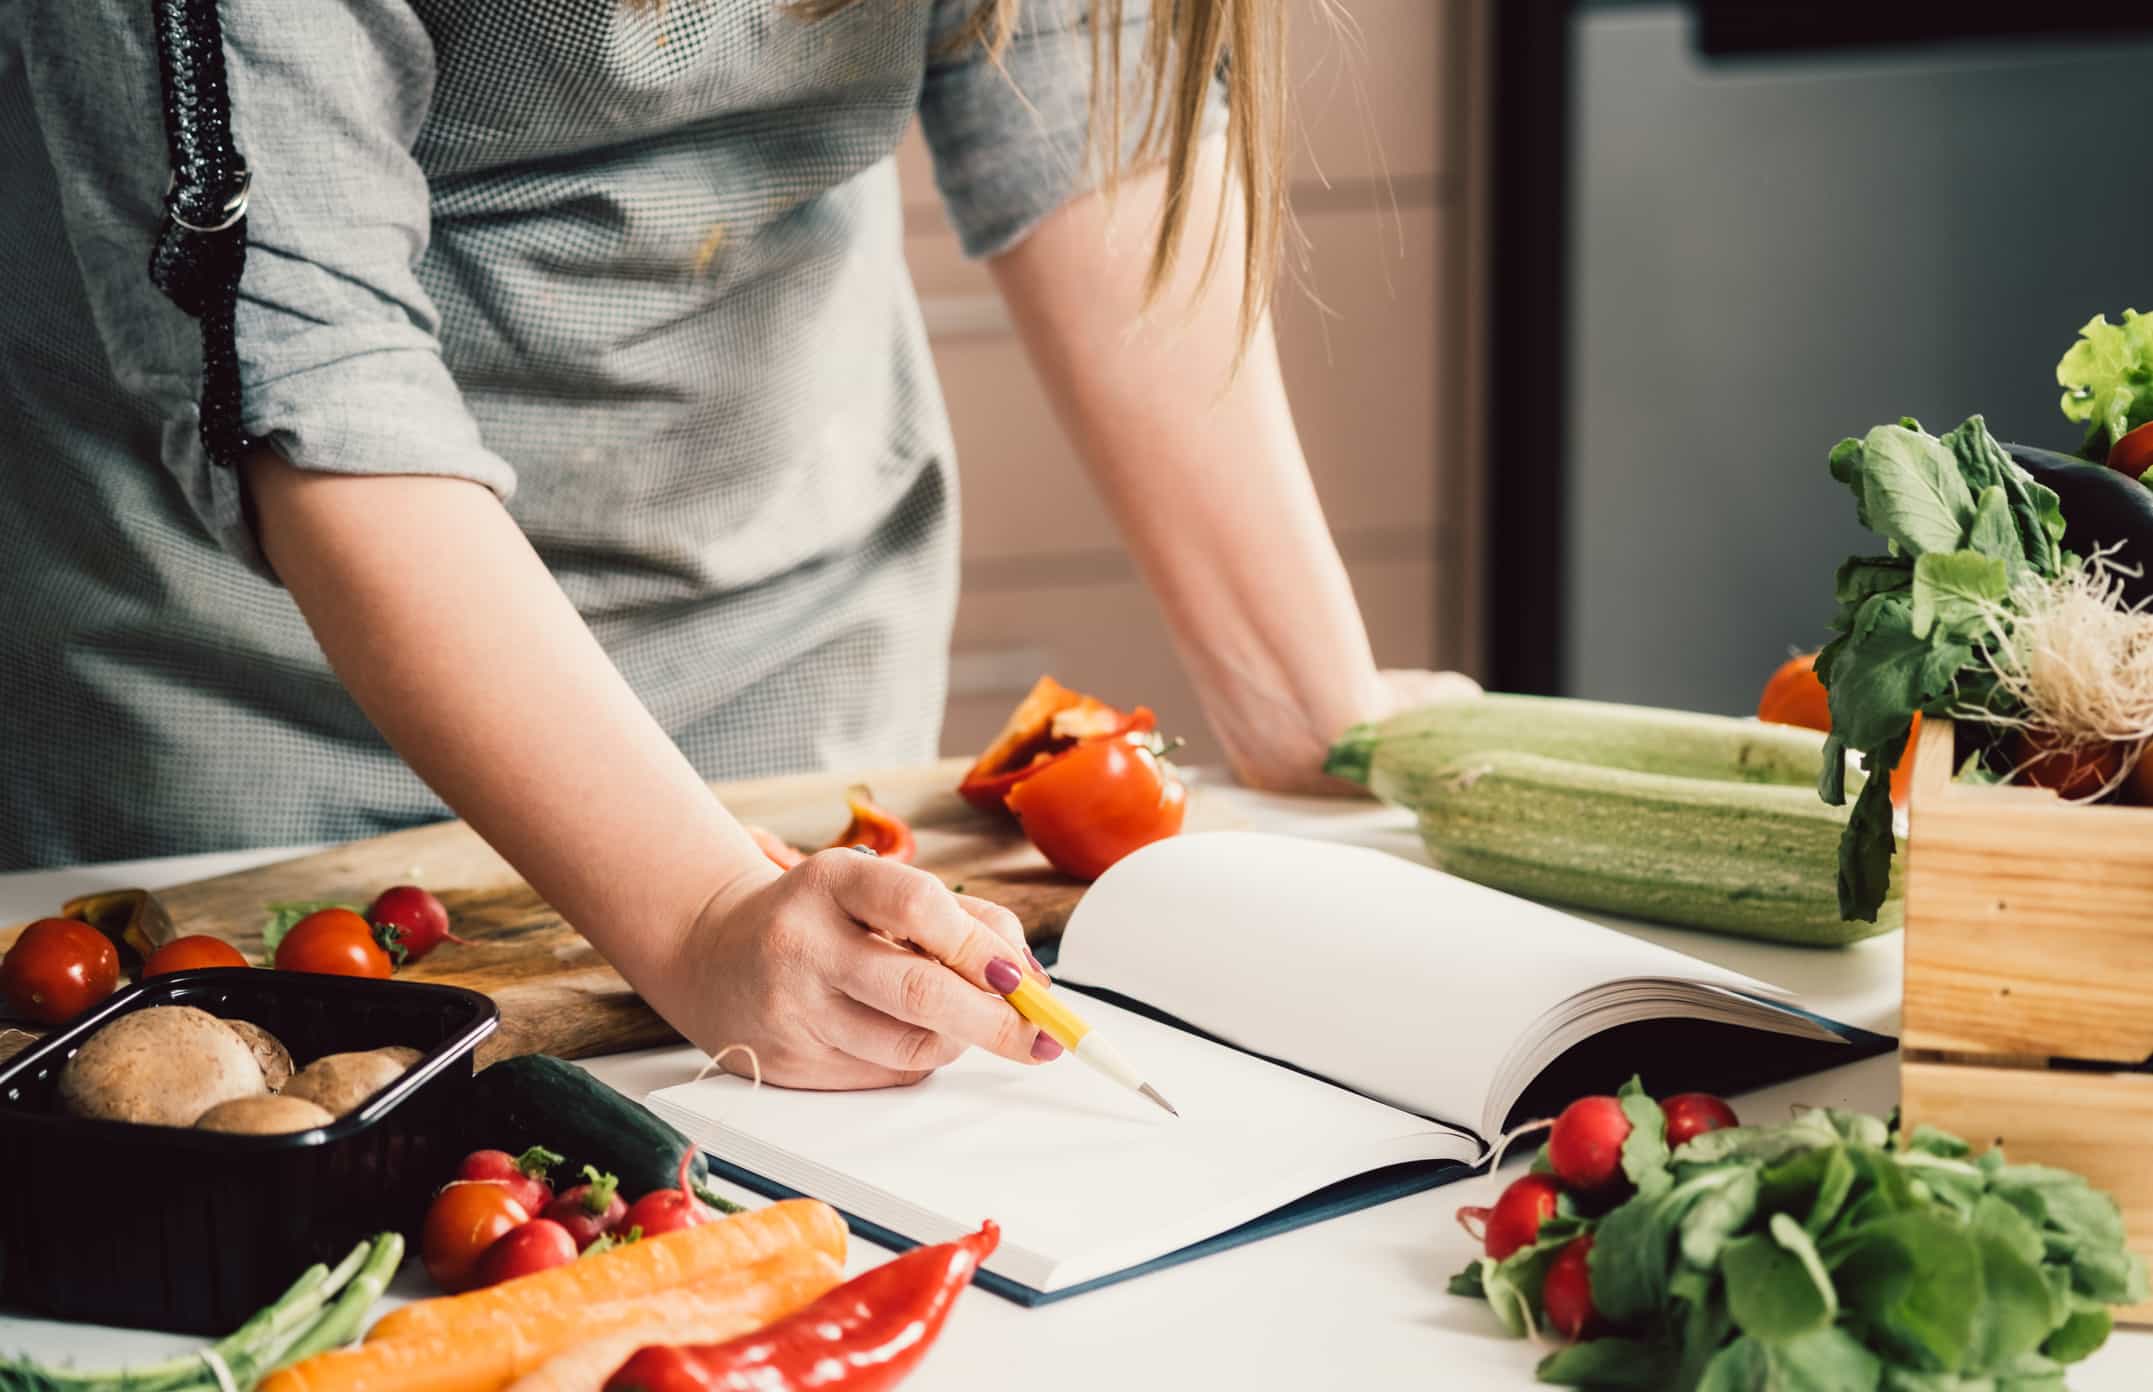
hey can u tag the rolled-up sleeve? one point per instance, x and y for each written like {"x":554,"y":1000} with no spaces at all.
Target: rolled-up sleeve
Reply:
{"x":340,"y":367}
{"x":1009,"y":137}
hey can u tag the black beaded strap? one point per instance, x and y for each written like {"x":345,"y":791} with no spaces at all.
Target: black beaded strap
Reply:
{"x":202,"y":245}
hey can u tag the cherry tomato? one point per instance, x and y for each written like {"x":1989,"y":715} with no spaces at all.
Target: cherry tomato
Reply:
{"x":464,"y":1220}
{"x":1691,"y":1114}
{"x":57,"y":969}
{"x":335,"y":942}
{"x":191,"y":953}
{"x":523,"y":1175}
{"x":2077,"y":772}
{"x":2133,"y":454}
{"x":1092,"y":806}
{"x":1566,"y":1293}
{"x":538,"y":1245}
{"x":412,"y":919}
{"x":1516,"y":1218}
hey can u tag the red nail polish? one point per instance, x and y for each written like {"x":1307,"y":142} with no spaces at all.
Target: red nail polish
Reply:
{"x":1003,"y":977}
{"x":1046,"y":1048}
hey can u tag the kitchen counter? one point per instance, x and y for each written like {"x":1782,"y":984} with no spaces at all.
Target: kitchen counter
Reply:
{"x":1358,"y":1301}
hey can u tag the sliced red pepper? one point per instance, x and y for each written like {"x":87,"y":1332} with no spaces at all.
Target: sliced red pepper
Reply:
{"x":865,"y":1336}
{"x":877,"y":828}
{"x":1050,"y":721}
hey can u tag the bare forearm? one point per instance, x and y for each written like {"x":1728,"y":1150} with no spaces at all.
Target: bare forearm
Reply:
{"x":1202,"y":470}
{"x":450,"y":633}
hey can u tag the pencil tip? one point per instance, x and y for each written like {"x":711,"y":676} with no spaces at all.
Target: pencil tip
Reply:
{"x":1153,"y":1093}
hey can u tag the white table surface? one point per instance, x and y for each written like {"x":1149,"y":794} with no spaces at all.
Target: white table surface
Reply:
{"x":1355,"y":1302}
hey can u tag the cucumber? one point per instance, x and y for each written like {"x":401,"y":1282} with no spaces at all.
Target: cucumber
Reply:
{"x":537,"y":1099}
{"x":1683,"y":744}
{"x":1695,"y":820}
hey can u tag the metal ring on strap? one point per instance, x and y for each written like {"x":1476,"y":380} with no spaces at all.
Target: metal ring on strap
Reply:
{"x":235,"y":207}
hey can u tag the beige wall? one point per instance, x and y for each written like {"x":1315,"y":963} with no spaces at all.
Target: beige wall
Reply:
{"x":1371,"y":370}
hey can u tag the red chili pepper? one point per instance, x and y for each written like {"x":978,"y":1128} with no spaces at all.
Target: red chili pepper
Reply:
{"x":865,"y":1336}
{"x":877,"y":828}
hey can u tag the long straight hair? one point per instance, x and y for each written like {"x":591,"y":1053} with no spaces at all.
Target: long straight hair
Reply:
{"x":1187,"y":45}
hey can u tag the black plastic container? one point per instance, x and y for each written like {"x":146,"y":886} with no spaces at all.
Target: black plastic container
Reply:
{"x":165,"y":1228}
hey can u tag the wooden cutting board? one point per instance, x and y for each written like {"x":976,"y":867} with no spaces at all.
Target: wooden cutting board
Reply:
{"x":555,"y":993}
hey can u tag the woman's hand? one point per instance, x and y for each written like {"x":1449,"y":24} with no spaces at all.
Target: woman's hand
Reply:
{"x":785,"y":963}
{"x":1284,"y":753}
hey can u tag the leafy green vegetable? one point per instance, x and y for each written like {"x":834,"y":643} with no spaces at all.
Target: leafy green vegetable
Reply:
{"x":1964,"y":522}
{"x":285,"y":915}
{"x":1644,"y":1150}
{"x":2107,"y":379}
{"x":1827,"y":1253}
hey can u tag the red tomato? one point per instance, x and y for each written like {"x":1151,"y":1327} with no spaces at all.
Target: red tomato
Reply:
{"x":2077,"y":772}
{"x":191,"y":953}
{"x":1566,"y":1294}
{"x":410,"y":918}
{"x":1516,"y":1218}
{"x":57,"y":969}
{"x":335,"y":942}
{"x":2133,"y":454}
{"x":1586,"y":1145}
{"x":1794,"y":696}
{"x":523,"y":1175}
{"x":538,"y":1245}
{"x":1691,"y":1114}
{"x":464,"y":1220}
{"x":1095,"y":804}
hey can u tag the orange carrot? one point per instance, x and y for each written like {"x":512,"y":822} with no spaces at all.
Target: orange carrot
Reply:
{"x":493,"y":1349}
{"x":626,"y":1273}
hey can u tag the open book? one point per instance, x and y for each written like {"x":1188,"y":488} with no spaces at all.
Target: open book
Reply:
{"x":1335,"y":1024}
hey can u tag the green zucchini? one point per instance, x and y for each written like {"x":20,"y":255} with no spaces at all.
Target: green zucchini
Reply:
{"x":536,"y":1099}
{"x":1700,"y":821}
{"x":1683,"y":744}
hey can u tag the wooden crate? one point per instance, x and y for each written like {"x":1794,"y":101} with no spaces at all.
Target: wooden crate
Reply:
{"x":2029,"y":966}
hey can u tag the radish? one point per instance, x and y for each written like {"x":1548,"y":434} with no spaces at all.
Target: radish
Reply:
{"x":1515,"y":1220}
{"x":1586,"y":1145}
{"x":668,"y":1210}
{"x":525,"y":1250}
{"x":1566,"y":1294}
{"x":410,"y":919}
{"x":522,"y":1175}
{"x":589,"y":1210}
{"x":1691,"y":1114}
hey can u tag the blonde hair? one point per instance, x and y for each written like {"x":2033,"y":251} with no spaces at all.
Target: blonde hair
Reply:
{"x":1187,"y":44}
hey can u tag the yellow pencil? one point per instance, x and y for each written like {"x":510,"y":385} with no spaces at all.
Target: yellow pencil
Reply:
{"x":1043,"y":1008}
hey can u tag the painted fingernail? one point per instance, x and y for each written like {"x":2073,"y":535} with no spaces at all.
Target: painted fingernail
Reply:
{"x":1037,"y":965}
{"x":1046,"y":1048}
{"x":1003,"y":976}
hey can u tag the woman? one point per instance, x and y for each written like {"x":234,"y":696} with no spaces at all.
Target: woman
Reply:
{"x":600,"y":452}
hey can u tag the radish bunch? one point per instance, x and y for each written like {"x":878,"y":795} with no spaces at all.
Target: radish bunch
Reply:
{"x":1593,"y":1149}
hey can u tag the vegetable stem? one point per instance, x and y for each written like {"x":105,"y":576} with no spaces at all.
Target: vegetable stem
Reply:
{"x":339,"y":1324}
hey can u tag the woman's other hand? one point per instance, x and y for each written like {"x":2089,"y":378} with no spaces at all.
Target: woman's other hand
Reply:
{"x":785,"y":963}
{"x":1285,"y":754}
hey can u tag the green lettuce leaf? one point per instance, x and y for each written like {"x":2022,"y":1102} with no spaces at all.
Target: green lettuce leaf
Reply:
{"x":2107,"y":379}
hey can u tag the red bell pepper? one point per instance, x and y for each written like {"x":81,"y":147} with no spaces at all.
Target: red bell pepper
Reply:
{"x":877,"y":828}
{"x":865,"y":1336}
{"x":1048,"y":723}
